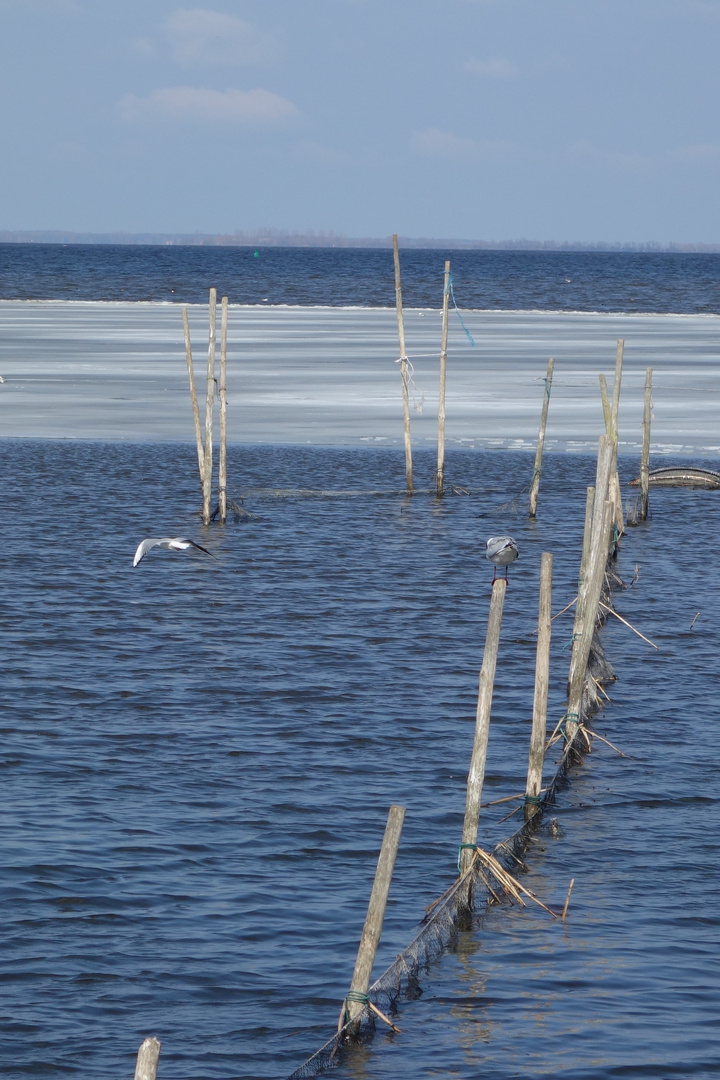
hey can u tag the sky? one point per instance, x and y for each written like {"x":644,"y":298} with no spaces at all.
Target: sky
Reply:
{"x":559,"y":120}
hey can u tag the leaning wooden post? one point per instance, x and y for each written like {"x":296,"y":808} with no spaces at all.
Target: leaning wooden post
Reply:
{"x":542,"y":680}
{"x":356,"y":1000}
{"x":597,"y":562}
{"x":209,"y":402}
{"x":589,"y":503}
{"x":193,"y":394}
{"x":403,"y":368}
{"x":535,"y":485}
{"x":645,"y":460}
{"x":476,"y":775}
{"x":441,"y":398}
{"x":617,"y":496}
{"x":147,"y":1060}
{"x":222,"y":391}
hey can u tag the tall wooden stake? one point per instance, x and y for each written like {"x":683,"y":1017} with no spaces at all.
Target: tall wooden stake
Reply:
{"x":193,"y":395}
{"x":209,"y":402}
{"x":617,"y":492}
{"x":583,"y":635}
{"x":645,"y":460}
{"x":403,"y":368}
{"x":222,"y":390}
{"x":476,"y":775}
{"x":542,"y":679}
{"x":441,"y":398}
{"x":372,"y":929}
{"x":535,"y":485}
{"x":147,"y":1060}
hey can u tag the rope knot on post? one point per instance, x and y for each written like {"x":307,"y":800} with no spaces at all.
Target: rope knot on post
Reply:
{"x":464,"y":847}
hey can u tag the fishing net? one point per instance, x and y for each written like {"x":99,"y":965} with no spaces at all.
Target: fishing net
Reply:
{"x":473,"y":890}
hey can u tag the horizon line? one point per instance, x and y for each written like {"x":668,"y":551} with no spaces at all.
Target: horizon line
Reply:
{"x":287,"y":238}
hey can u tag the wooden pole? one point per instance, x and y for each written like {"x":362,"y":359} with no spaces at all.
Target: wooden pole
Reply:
{"x":542,"y":680}
{"x":372,"y":929}
{"x":441,"y":398}
{"x":209,"y":402}
{"x":535,"y":485}
{"x":589,"y":503}
{"x":617,"y":492}
{"x":147,"y":1059}
{"x":583,"y":635}
{"x":611,"y":431}
{"x":403,"y":368}
{"x":222,"y":390}
{"x":645,"y":460}
{"x":193,"y":394}
{"x":476,"y":775}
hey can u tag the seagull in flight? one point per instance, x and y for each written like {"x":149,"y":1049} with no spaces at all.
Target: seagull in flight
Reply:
{"x":170,"y":543}
{"x":501,"y":551}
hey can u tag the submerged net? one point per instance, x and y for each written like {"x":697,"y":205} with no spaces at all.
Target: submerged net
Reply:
{"x":472,"y":891}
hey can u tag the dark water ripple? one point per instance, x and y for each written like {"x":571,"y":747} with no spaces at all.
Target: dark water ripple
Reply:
{"x":489,"y":280}
{"x":198,"y":756}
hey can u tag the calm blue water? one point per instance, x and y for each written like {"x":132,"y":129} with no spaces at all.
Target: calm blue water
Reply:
{"x":505,"y":280}
{"x":198,"y":756}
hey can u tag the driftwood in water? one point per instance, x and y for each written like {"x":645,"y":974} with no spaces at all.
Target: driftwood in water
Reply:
{"x":685,"y":476}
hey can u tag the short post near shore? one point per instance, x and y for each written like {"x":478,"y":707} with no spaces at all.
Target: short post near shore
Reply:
{"x":147,"y":1059}
{"x":356,"y":1000}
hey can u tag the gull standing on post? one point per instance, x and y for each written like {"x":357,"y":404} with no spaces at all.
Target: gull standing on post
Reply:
{"x":170,"y":543}
{"x":501,"y":551}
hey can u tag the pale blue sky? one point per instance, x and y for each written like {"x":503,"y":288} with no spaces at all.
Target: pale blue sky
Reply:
{"x":593,"y":120}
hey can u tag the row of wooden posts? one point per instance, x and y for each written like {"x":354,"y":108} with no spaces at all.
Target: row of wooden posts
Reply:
{"x":603,"y":522}
{"x":601,"y":511}
{"x":204,"y":438}
{"x":602,"y":508}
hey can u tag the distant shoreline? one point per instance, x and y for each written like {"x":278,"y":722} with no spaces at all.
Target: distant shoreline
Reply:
{"x":279,"y":238}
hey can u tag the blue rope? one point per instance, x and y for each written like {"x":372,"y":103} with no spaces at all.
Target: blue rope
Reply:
{"x":452,"y":294}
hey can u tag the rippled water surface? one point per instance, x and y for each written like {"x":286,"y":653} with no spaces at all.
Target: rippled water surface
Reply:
{"x":603,"y":281}
{"x":198,"y":756}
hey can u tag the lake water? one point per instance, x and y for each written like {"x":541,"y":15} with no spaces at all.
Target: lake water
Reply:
{"x":198,"y":756}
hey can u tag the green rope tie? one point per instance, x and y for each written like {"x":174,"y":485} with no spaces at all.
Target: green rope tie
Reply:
{"x":358,"y":997}
{"x":355,"y":996}
{"x":571,"y":642}
{"x":574,"y":718}
{"x":460,"y":851}
{"x":533,"y":800}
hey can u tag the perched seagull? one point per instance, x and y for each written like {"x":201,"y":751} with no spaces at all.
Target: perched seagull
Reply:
{"x":170,"y":543}
{"x":501,"y":551}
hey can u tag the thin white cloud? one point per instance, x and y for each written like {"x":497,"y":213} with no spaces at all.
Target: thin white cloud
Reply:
{"x":499,"y":68}
{"x":433,"y":142}
{"x":585,"y":152}
{"x":699,"y":152}
{"x":198,"y":104}
{"x":198,"y":36}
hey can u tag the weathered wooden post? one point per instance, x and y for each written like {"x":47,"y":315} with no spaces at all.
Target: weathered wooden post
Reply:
{"x":222,"y":391}
{"x":645,"y":459}
{"x":357,"y":995}
{"x":147,"y":1059}
{"x":441,"y":397}
{"x":403,"y":368}
{"x":535,"y":485}
{"x":193,"y":394}
{"x":584,"y":629}
{"x":542,"y":679}
{"x":614,"y":408}
{"x":476,"y":774}
{"x":209,"y":402}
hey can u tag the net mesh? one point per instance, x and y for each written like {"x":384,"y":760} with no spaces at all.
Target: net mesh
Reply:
{"x":467,"y":896}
